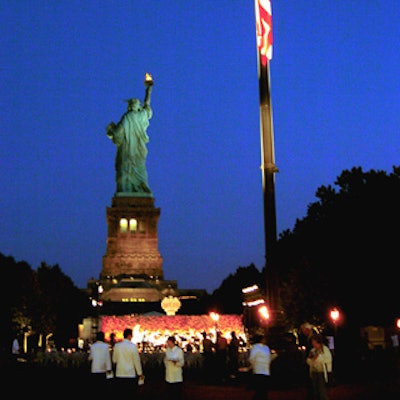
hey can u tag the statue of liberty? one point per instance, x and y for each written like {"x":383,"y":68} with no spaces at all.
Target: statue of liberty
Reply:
{"x":130,"y":137}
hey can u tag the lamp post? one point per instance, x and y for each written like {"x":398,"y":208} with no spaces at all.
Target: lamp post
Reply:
{"x":215,"y":317}
{"x":264,"y":314}
{"x":335,"y":317}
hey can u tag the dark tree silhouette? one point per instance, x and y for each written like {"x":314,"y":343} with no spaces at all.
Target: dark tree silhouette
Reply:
{"x":228,"y":298}
{"x":344,"y":252}
{"x":39,"y":303}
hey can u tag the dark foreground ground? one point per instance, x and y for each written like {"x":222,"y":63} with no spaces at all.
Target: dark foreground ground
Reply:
{"x":25,"y":380}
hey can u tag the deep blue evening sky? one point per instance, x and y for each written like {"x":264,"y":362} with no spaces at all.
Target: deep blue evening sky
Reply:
{"x":67,"y":67}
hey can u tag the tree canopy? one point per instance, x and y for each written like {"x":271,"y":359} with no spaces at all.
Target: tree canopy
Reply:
{"x":344,"y":252}
{"x":39,"y":302}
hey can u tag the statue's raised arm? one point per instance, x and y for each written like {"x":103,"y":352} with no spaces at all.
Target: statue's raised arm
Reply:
{"x":148,"y":82}
{"x":130,"y":136}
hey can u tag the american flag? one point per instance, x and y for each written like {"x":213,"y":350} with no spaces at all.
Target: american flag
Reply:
{"x":264,"y":29}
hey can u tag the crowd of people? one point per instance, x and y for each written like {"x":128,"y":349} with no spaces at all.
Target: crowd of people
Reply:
{"x":216,"y":359}
{"x":122,"y":362}
{"x":220,"y":363}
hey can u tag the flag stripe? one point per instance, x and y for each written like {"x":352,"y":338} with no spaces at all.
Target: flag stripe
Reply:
{"x":264,"y":29}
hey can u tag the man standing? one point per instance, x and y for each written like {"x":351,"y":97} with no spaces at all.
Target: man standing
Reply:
{"x":305,"y":336}
{"x":221,"y":356}
{"x":319,"y":360}
{"x":128,"y":364}
{"x":208,"y":356}
{"x":100,"y":358}
{"x":233,"y":355}
{"x":131,"y":138}
{"x":174,"y":361}
{"x":260,"y":361}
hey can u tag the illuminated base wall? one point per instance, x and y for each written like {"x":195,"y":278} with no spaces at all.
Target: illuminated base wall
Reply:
{"x":132,"y":249}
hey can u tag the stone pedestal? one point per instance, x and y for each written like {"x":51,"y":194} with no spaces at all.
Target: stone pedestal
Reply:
{"x":132,"y":240}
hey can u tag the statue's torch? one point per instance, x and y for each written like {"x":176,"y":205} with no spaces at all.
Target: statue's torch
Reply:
{"x":148,"y":80}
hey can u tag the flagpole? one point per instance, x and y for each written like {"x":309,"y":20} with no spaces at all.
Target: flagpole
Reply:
{"x":268,"y":167}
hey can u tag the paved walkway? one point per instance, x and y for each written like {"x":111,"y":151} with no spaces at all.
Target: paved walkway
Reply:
{"x":51,"y":383}
{"x":196,"y":391}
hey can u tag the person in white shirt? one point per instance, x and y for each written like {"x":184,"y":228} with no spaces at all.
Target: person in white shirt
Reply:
{"x":174,"y":361}
{"x":260,"y":362}
{"x":320,"y":362}
{"x":128,"y":364}
{"x":100,"y":360}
